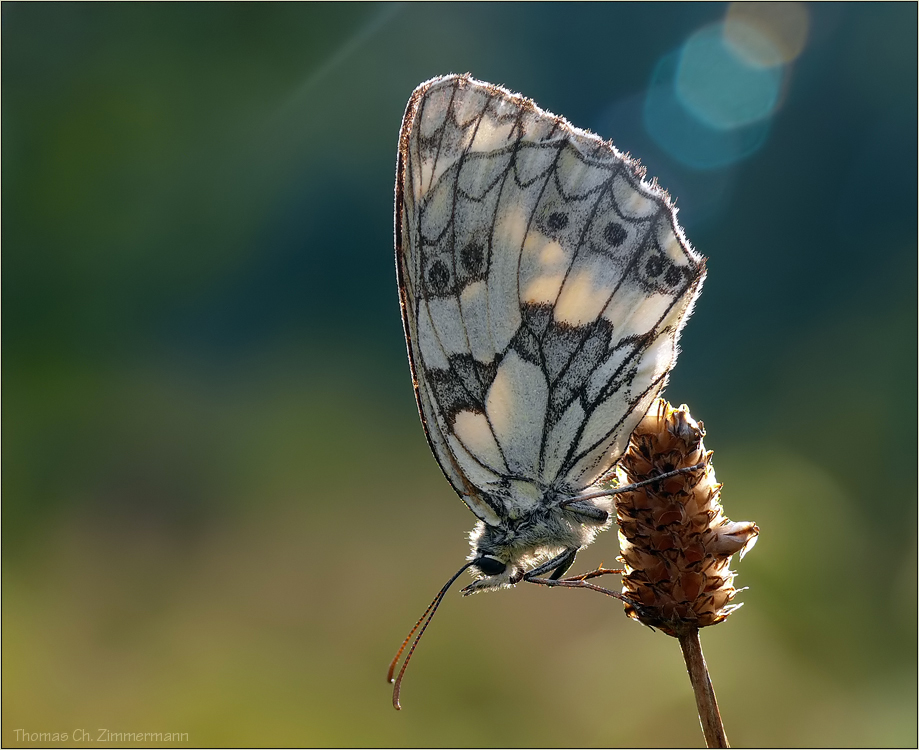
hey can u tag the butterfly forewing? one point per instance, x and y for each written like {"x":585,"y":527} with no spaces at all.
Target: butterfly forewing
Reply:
{"x":543,"y":284}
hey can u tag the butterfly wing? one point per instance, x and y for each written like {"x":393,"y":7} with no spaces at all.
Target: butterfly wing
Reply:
{"x":543,"y":283}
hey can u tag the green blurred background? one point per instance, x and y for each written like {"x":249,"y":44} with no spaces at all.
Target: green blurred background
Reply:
{"x":220,"y":514}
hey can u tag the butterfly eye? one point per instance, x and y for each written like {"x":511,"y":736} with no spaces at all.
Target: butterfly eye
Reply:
{"x":490,"y":566}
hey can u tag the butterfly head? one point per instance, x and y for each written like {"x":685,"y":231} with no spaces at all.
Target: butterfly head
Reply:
{"x":504,"y":552}
{"x":493,"y":573}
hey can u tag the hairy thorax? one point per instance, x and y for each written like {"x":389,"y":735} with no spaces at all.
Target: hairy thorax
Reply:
{"x":531,"y":539}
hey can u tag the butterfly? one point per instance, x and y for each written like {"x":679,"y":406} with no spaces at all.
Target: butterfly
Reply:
{"x":543,"y":285}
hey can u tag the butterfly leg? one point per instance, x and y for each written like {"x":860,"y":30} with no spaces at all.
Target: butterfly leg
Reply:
{"x":578,"y":582}
{"x":596,"y":574}
{"x":589,"y":512}
{"x":565,"y":565}
{"x":559,"y":564}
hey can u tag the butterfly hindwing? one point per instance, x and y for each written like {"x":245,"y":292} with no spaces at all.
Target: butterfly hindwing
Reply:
{"x":543,"y":285}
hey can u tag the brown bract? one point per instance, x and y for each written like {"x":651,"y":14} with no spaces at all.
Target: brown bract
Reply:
{"x":676,"y":541}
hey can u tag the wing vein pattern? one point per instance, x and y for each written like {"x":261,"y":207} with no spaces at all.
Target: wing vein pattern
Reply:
{"x":543,"y":284}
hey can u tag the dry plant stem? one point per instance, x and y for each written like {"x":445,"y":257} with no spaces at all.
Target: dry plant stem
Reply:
{"x":676,"y":542}
{"x":707,"y":705}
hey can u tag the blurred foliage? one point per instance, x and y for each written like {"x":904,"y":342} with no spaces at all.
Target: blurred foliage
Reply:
{"x":220,"y":513}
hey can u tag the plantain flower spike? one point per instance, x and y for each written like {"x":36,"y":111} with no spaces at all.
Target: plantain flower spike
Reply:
{"x":676,"y":543}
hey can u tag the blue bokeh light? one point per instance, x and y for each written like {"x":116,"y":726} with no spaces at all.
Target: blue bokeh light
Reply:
{"x":722,"y":88}
{"x":690,"y":139}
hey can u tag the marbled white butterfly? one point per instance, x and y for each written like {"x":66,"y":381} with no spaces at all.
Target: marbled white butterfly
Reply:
{"x":543,"y":285}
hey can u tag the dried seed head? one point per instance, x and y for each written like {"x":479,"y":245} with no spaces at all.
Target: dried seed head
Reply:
{"x":675,"y":539}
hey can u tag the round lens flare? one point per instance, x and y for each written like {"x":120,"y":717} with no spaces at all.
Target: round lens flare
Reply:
{"x":711,"y":101}
{"x":692,"y":140}
{"x":719,"y":86}
{"x":766,"y":34}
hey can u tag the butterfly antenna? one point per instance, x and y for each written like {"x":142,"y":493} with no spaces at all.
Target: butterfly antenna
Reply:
{"x":422,"y":623}
{"x":629,"y":487}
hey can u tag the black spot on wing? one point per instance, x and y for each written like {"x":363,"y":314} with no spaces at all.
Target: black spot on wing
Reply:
{"x":674,"y":275}
{"x":438,"y":267}
{"x":438,"y":278}
{"x":472,"y":257}
{"x":614,"y":233}
{"x":557,"y":220}
{"x":654,"y":266}
{"x":655,"y":272}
